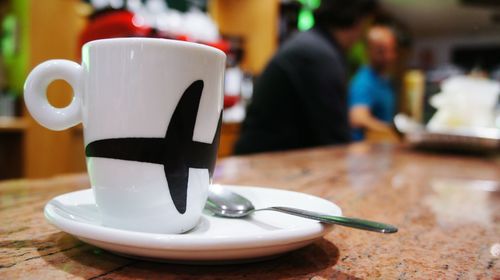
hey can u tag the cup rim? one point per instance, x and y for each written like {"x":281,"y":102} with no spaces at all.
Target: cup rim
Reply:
{"x":156,"y":41}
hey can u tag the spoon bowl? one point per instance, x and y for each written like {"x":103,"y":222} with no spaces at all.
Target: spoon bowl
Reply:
{"x":224,"y":203}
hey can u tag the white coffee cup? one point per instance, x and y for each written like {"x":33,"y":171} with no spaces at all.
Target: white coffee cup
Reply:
{"x":151,"y":112}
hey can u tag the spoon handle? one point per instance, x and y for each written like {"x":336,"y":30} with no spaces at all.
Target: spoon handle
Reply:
{"x":343,"y":221}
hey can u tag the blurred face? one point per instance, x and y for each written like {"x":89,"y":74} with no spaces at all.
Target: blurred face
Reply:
{"x":382,"y":48}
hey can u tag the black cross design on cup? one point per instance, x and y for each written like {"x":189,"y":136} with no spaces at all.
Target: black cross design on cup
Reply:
{"x":177,"y":152}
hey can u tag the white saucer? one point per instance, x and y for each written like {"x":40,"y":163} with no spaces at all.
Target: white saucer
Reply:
{"x":215,"y":239}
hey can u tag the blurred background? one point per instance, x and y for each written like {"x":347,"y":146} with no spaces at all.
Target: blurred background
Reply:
{"x":437,"y":40}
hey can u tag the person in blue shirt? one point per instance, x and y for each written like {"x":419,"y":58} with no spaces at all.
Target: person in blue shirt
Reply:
{"x":371,"y":94}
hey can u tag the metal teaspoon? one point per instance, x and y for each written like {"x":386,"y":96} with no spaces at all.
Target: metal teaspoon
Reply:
{"x":224,"y":203}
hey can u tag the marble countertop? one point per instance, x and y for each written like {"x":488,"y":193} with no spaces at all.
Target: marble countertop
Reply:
{"x":447,"y":208}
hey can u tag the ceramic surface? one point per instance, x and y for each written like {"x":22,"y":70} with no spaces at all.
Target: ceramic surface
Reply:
{"x":151,"y":111}
{"x":214,"y":239}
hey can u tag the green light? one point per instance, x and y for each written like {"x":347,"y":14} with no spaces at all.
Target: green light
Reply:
{"x":311,"y":4}
{"x":306,"y":18}
{"x":8,"y":40}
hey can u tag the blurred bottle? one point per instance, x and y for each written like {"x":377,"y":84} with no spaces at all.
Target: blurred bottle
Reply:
{"x":414,"y":85}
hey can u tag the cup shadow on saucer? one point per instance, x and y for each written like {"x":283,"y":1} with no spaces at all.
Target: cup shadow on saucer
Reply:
{"x":89,"y":213}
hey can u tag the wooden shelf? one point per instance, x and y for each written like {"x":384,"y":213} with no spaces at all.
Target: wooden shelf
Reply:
{"x":13,"y":124}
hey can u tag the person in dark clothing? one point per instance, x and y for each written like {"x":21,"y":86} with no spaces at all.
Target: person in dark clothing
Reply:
{"x":300,"y":99}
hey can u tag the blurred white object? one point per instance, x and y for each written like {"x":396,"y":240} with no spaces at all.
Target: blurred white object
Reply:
{"x":171,"y":22}
{"x":464,"y":140}
{"x":100,"y":4}
{"x":195,"y":24}
{"x":156,"y":6}
{"x":247,"y":87}
{"x":134,"y":5}
{"x":464,"y":121}
{"x":233,"y":80}
{"x":234,"y":114}
{"x":116,"y":4}
{"x":199,"y":26}
{"x":405,"y":124}
{"x":464,"y":103}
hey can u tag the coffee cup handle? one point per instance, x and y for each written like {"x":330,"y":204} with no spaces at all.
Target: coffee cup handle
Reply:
{"x":35,"y":94}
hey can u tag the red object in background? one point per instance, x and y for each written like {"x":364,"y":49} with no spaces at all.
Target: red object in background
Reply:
{"x":122,"y":23}
{"x":113,"y":24}
{"x":230,"y":100}
{"x":221,"y":44}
